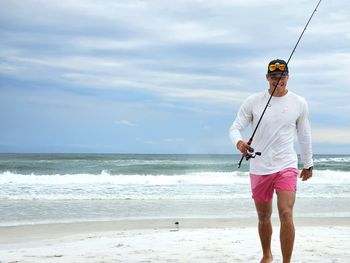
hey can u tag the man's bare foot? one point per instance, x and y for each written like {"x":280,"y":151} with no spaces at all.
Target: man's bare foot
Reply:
{"x":267,"y":259}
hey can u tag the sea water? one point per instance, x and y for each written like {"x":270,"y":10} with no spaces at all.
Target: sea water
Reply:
{"x":41,"y":188}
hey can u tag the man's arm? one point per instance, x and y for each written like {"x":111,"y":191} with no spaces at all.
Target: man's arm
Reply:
{"x":243,"y":119}
{"x":305,"y":142}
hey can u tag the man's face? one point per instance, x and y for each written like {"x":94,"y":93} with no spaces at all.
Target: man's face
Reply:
{"x":273,"y":79}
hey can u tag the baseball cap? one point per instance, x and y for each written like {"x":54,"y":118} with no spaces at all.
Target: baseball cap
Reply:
{"x":277,"y":66}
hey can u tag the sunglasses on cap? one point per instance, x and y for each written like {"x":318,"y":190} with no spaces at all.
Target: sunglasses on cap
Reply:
{"x":277,"y":66}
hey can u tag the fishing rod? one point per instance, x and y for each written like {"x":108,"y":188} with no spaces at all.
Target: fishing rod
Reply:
{"x":250,"y":153}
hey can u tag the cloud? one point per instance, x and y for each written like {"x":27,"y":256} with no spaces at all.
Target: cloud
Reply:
{"x":104,"y":43}
{"x":195,"y":32}
{"x":125,"y":123}
{"x":331,"y":135}
{"x":170,"y":140}
{"x":146,"y":141}
{"x":199,"y":57}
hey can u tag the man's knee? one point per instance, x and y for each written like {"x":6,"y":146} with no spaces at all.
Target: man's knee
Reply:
{"x":286,"y":216}
{"x":264,"y":216}
{"x":264,"y":210}
{"x":285,"y":206}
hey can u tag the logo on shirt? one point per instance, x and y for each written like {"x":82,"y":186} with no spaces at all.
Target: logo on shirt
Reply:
{"x":285,"y":109}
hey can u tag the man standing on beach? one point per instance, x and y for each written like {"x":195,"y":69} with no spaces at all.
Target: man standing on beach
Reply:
{"x":277,"y":167}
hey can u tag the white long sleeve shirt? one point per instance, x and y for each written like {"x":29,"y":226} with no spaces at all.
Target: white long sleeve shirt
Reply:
{"x":284,"y":118}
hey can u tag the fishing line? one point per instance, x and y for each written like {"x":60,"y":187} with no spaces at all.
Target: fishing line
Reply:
{"x":250,"y":153}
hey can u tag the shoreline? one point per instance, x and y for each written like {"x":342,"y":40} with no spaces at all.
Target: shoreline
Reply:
{"x":49,"y":231}
{"x":194,"y":240}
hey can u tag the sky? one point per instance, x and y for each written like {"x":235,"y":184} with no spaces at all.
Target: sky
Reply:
{"x":163,"y":76}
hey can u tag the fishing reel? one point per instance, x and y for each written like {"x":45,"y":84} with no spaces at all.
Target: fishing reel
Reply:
{"x":251,"y":154}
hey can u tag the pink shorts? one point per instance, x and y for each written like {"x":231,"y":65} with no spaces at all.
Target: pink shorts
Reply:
{"x":263,"y":186}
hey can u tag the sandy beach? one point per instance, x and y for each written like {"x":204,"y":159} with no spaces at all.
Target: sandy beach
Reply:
{"x":161,"y":240}
{"x":123,"y":208}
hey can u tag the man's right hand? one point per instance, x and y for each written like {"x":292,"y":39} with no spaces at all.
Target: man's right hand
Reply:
{"x":242,"y":146}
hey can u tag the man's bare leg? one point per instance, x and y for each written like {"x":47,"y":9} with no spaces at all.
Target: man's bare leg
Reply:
{"x":264,"y":210}
{"x":285,"y":202}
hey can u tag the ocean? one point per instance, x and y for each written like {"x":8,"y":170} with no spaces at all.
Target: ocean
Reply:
{"x":50,"y":188}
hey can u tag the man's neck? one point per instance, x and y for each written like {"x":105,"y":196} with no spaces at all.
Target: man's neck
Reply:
{"x":278,"y":92}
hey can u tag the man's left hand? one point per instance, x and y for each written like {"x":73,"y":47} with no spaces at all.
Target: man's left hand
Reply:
{"x":306,"y":174}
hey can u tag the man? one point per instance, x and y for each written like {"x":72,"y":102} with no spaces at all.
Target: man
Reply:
{"x":276,"y":168}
